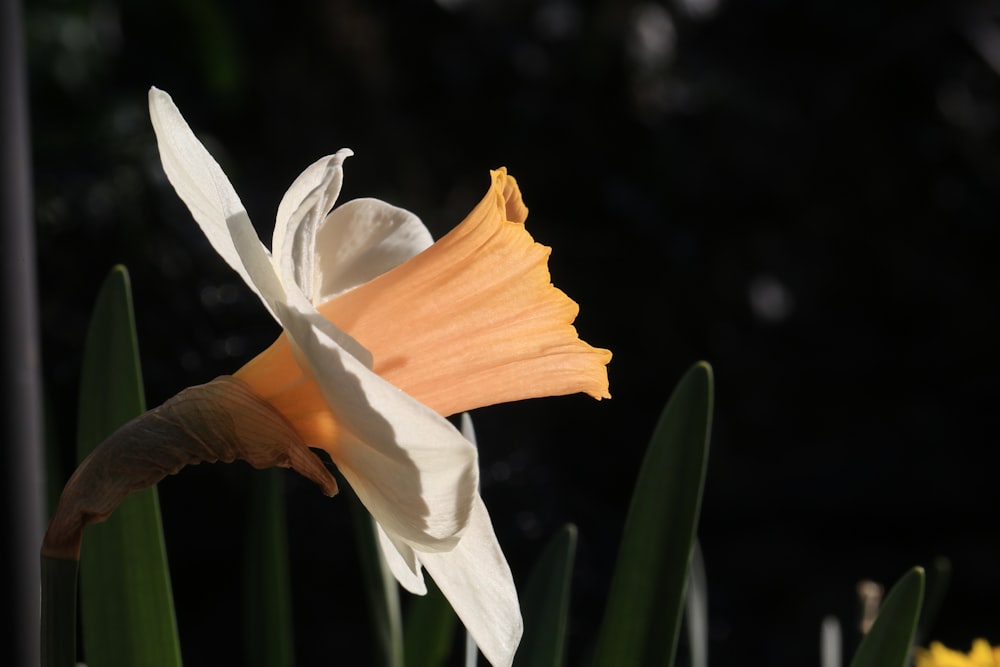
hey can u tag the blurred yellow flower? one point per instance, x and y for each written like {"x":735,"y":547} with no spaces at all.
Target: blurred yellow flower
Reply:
{"x":939,"y":655}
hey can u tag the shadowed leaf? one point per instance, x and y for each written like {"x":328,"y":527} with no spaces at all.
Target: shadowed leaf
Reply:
{"x":888,"y":642}
{"x":643,"y":613}
{"x":127,"y":608}
{"x":545,"y":603}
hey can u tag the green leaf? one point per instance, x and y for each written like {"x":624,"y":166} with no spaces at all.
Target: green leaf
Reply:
{"x":938,"y":578}
{"x":380,"y":586}
{"x":643,"y":612}
{"x":545,"y":603}
{"x":888,"y":642}
{"x":267,"y":610}
{"x":127,"y":608}
{"x":430,"y":628}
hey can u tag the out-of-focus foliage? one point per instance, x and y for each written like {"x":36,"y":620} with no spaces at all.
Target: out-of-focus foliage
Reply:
{"x":890,"y":640}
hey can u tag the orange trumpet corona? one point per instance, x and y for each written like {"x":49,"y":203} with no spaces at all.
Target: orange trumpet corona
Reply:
{"x":472,"y":321}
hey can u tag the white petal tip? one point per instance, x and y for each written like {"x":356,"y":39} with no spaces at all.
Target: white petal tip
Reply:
{"x":337,"y":159}
{"x":155,"y":94}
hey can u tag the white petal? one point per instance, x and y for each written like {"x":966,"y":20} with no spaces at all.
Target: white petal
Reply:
{"x":410,"y":467}
{"x":197,"y":178}
{"x":298,"y":302}
{"x":361,"y":240}
{"x":402,"y":561}
{"x":476,"y":579}
{"x":255,"y":260}
{"x":301,"y":213}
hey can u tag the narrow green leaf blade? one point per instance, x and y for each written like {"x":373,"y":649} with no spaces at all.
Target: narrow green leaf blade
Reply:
{"x":127,"y":608}
{"x":888,"y":642}
{"x":429,"y":629}
{"x":938,"y":577}
{"x":643,"y":612}
{"x":545,"y":603}
{"x":380,"y":586}
{"x":267,"y":611}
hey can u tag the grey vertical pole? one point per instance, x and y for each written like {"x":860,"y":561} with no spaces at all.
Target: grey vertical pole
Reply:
{"x":21,"y":478}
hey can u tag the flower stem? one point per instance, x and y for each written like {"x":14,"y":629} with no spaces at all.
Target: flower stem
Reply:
{"x":59,"y":612}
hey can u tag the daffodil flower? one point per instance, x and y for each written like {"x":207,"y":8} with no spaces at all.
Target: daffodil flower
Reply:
{"x":385,"y":334}
{"x":939,"y":655}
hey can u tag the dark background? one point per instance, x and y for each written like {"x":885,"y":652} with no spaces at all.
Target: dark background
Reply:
{"x":804,"y":194}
